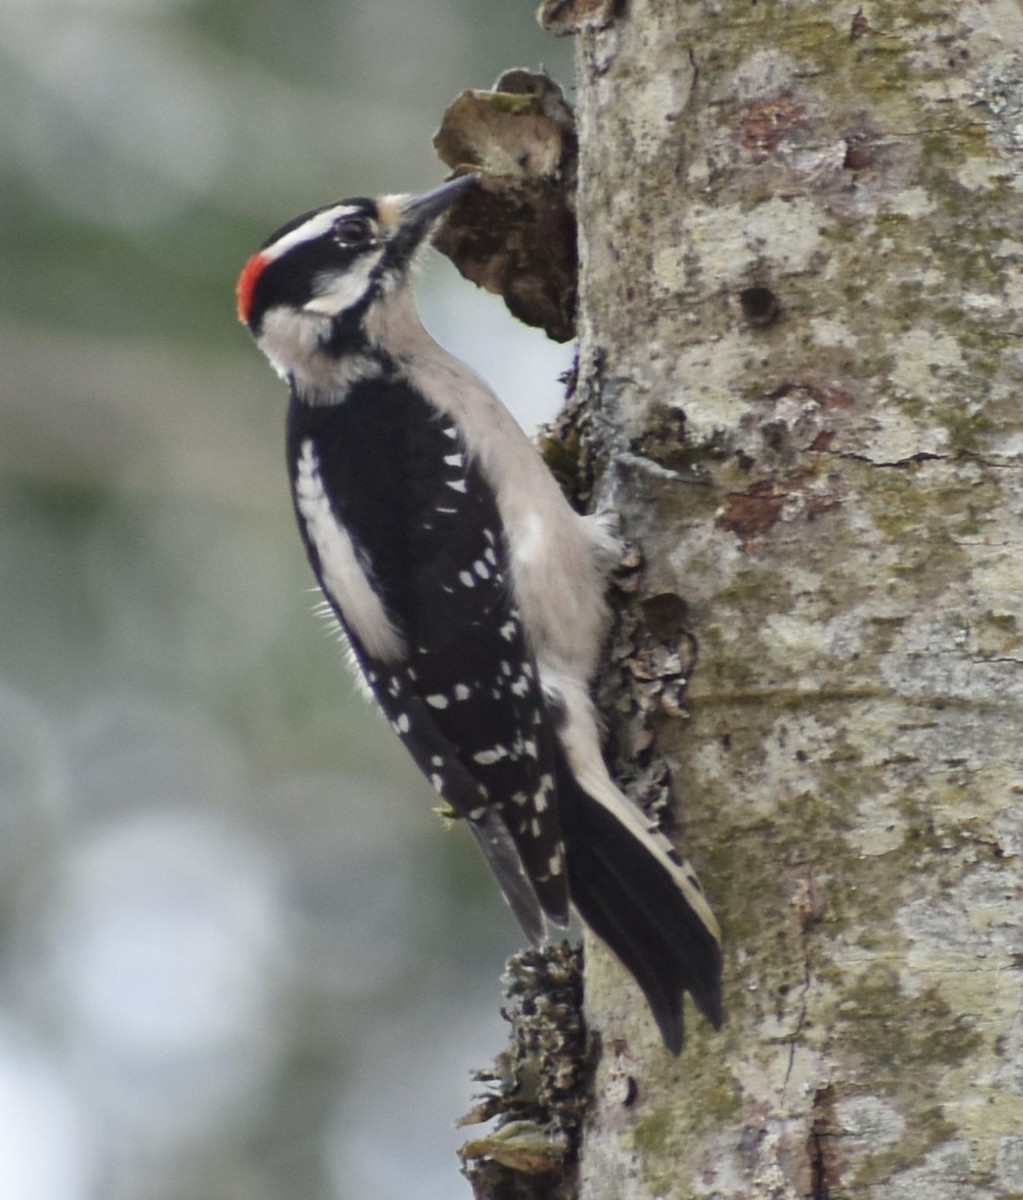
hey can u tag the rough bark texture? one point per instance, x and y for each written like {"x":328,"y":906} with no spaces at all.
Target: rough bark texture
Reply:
{"x":800,"y":306}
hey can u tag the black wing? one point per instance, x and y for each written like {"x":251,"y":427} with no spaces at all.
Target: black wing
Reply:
{"x":463,"y":695}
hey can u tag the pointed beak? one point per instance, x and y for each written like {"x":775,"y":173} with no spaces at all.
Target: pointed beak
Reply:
{"x":413,"y":217}
{"x":422,"y":210}
{"x":408,"y":221}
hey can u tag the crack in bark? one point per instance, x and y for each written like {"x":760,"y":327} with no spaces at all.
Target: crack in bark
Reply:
{"x":908,"y":461}
{"x":824,"y":1174}
{"x":1005,"y":462}
{"x":811,"y":897}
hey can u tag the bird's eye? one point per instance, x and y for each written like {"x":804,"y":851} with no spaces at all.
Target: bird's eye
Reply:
{"x":351,"y":231}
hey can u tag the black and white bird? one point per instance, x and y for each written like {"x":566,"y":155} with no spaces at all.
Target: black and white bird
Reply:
{"x":470,"y":592}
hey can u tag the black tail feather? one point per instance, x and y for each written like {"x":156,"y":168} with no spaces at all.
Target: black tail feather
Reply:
{"x":628,"y":897}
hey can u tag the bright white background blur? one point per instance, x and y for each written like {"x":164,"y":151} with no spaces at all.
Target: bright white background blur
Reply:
{"x":239,"y":958}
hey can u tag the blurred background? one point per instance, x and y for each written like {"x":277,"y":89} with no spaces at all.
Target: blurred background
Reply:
{"x":239,"y":955}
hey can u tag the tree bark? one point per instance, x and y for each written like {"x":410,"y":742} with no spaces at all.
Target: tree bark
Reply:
{"x":801,"y":284}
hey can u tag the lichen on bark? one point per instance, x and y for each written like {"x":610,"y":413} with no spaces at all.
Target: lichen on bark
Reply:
{"x":835,"y":494}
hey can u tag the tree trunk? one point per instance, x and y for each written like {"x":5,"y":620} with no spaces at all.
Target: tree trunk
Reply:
{"x":800,"y":316}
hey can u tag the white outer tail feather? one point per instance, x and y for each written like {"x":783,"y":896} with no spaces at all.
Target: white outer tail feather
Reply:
{"x":578,"y":737}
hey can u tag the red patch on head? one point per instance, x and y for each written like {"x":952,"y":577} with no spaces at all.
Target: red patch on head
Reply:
{"x":247,"y":285}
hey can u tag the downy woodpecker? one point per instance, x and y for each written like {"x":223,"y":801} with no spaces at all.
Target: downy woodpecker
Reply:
{"x":469,"y":591}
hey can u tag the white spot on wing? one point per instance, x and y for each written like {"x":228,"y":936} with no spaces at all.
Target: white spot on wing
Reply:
{"x":487,"y":758}
{"x":520,"y":687}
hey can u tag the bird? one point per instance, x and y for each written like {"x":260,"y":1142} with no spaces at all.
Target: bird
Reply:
{"x":471,"y":594}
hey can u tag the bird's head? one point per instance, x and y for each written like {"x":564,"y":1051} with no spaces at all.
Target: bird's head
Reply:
{"x":313,"y":285}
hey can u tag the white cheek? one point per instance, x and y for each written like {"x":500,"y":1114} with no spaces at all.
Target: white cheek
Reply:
{"x":291,"y":341}
{"x":340,"y":292}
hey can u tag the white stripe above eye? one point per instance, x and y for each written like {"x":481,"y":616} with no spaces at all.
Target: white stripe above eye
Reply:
{"x":317,"y":225}
{"x":343,"y":576}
